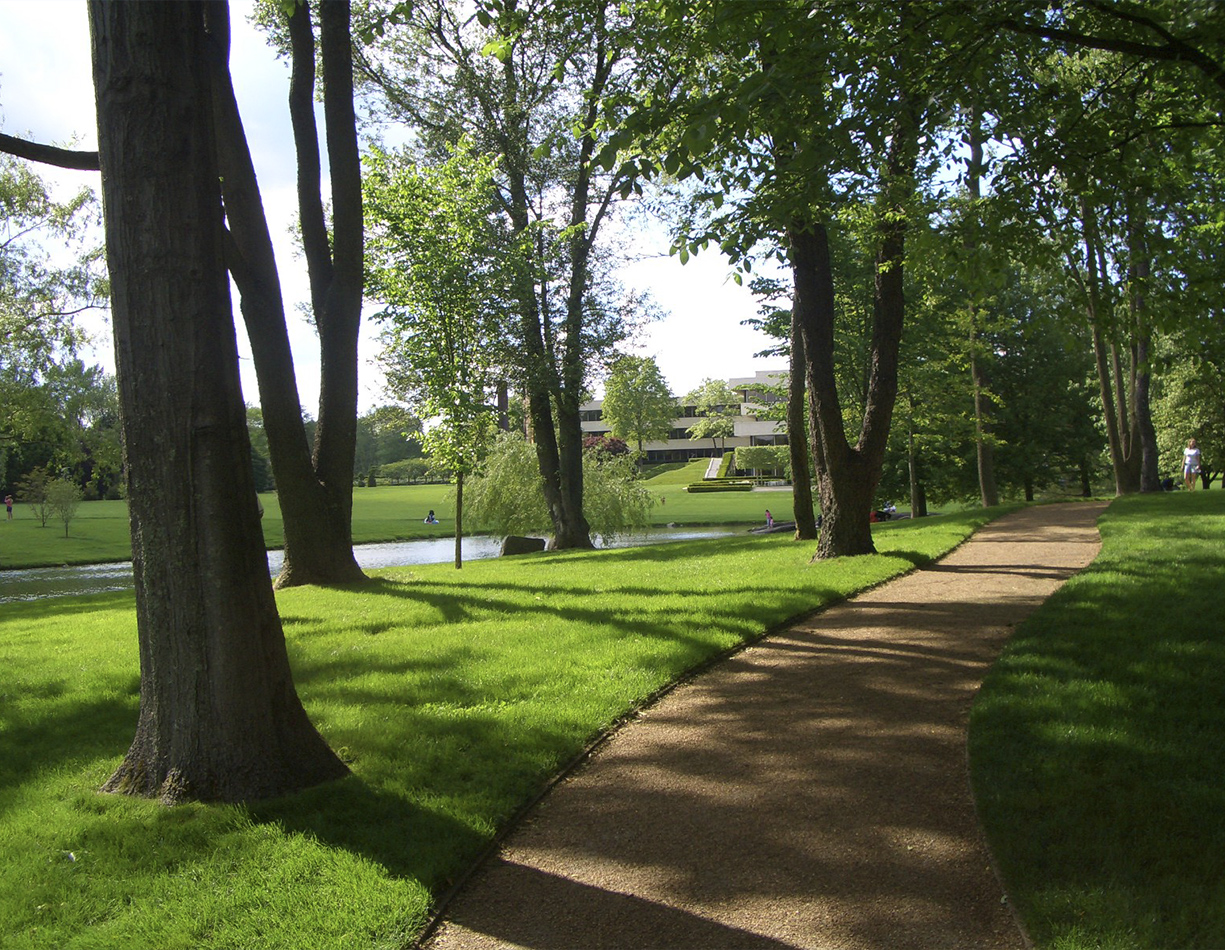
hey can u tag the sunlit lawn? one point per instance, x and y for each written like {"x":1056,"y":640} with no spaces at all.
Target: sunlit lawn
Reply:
{"x":1098,"y":741}
{"x":453,"y":695}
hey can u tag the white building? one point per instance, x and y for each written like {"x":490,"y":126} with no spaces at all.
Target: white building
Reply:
{"x":750,"y":430}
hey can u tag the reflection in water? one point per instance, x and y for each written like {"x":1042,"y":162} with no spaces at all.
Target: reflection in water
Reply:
{"x":33,"y":583}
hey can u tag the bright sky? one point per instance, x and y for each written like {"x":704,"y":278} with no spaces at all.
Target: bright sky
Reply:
{"x":46,"y":94}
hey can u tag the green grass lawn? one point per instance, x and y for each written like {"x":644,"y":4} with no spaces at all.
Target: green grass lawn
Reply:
{"x":1098,"y":741}
{"x":454,"y":696}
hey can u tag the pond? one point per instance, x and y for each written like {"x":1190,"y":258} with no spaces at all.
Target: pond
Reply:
{"x":33,"y":583}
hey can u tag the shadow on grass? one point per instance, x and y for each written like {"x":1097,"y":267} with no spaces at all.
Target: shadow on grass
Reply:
{"x":1098,"y":741}
{"x":68,"y":728}
{"x":408,"y":840}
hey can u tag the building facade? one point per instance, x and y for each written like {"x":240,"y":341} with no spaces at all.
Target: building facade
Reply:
{"x":758,"y":393}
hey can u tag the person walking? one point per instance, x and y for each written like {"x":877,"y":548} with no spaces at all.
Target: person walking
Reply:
{"x":1190,"y":464}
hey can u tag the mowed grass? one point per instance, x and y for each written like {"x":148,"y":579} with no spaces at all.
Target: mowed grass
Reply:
{"x":454,"y":696}
{"x":99,"y":532}
{"x":1098,"y":741}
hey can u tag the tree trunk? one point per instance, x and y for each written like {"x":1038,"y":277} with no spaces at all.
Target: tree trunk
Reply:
{"x":1115,"y":426}
{"x":844,"y":479}
{"x":983,"y":404}
{"x":918,"y":497}
{"x":459,"y":520}
{"x":318,"y":535}
{"x":848,"y":476}
{"x":1150,"y":471}
{"x":335,"y":263}
{"x":797,"y":442}
{"x":219,"y":716}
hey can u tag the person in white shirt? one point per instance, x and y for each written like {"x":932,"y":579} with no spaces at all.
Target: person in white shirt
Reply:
{"x":1190,"y":464}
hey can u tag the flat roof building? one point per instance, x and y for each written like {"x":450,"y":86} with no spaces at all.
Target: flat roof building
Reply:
{"x":755,"y":396}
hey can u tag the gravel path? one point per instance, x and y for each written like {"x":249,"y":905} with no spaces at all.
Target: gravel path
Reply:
{"x":811,"y":791}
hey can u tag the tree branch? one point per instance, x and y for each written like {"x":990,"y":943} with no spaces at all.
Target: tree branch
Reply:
{"x":49,"y":154}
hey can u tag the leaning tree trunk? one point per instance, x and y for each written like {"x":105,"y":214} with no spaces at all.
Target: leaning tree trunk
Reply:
{"x":219,"y":716}
{"x":797,"y":442}
{"x":317,"y":529}
{"x":334,"y":258}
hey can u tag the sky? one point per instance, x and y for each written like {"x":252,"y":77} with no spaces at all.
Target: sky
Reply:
{"x":46,"y":95}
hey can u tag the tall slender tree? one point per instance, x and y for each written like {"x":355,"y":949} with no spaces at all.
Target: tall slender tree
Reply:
{"x":533,"y":83}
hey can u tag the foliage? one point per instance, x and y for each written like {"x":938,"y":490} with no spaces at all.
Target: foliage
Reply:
{"x":32,"y":490}
{"x":717,"y":407}
{"x":51,"y":269}
{"x":405,"y":470}
{"x":63,"y":497}
{"x":771,"y":458}
{"x":638,"y":405}
{"x":605,"y":445}
{"x":438,"y":260}
{"x":506,"y":497}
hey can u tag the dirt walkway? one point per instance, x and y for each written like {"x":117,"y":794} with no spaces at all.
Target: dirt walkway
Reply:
{"x":809,"y":792}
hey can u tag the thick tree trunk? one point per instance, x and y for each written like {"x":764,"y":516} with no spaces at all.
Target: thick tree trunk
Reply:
{"x":317,"y":530}
{"x":797,"y":442}
{"x":844,"y":480}
{"x":219,"y":716}
{"x":848,"y":476}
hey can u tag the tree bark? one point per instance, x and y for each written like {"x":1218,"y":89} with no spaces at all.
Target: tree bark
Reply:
{"x":334,"y":262}
{"x":983,"y":404}
{"x":848,"y":476}
{"x":1116,"y":427}
{"x":797,"y":441}
{"x":1138,"y":272}
{"x":318,"y":534}
{"x":844,"y":479}
{"x":219,"y":716}
{"x":459,"y":520}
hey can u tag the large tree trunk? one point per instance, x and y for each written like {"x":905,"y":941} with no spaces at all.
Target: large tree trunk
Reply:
{"x":844,"y":474}
{"x":848,"y":476}
{"x":219,"y":716}
{"x":797,"y":441}
{"x":317,"y":528}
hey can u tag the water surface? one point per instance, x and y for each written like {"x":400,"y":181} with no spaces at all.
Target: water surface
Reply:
{"x":36,"y":582}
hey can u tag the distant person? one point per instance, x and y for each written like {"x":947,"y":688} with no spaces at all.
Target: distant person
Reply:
{"x":430,"y":519}
{"x":769,"y":519}
{"x":8,"y":504}
{"x":1190,"y":464}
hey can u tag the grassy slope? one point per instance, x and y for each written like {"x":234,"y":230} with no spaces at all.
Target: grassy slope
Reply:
{"x":1098,"y":741}
{"x":454,"y":696}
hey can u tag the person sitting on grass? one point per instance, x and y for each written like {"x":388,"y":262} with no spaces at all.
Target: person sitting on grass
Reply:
{"x":430,"y":519}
